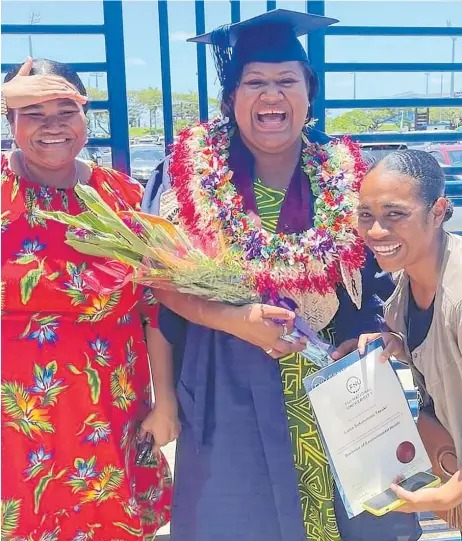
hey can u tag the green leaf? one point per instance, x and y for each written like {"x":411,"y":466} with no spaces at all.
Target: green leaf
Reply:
{"x":109,"y":249}
{"x":77,"y":485}
{"x":51,"y":394}
{"x":74,"y":370}
{"x":94,"y":382}
{"x":53,"y":367}
{"x":10,"y":516}
{"x":25,"y":259}
{"x":53,"y":276}
{"x":28,"y":283}
{"x":129,"y":529}
{"x":38,"y":371}
{"x":46,"y":320}
{"x":51,"y":536}
{"x":101,"y":360}
{"x":148,"y":516}
{"x":44,"y":426}
{"x":71,"y":268}
{"x":91,"y":462}
{"x":61,"y":473}
{"x":10,"y":394}
{"x":87,"y":421}
{"x":40,"y":489}
{"x":35,"y":471}
{"x":17,"y":425}
{"x":100,"y":208}
{"x":15,"y":189}
{"x":111,"y":478}
{"x":28,"y":328}
{"x":77,"y":297}
{"x":78,"y":462}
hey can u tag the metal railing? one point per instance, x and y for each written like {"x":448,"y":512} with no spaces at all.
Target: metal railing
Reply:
{"x":112,"y":29}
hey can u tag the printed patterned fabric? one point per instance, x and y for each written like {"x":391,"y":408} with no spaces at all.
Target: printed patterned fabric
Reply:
{"x":75,"y":380}
{"x":315,"y":481}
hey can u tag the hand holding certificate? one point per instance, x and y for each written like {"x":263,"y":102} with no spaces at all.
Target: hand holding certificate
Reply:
{"x":368,"y":431}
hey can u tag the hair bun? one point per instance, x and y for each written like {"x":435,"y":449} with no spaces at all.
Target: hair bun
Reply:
{"x":449,"y":210}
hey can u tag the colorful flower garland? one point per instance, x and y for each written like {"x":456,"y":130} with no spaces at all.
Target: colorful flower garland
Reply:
{"x":297,"y":263}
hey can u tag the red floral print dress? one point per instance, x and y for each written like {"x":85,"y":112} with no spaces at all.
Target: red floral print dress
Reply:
{"x":75,"y":380}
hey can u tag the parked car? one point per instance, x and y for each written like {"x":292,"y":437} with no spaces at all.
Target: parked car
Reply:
{"x":90,"y":155}
{"x":447,"y":154}
{"x":377,"y":151}
{"x":144,"y":159}
{"x":450,"y":155}
{"x":146,"y":140}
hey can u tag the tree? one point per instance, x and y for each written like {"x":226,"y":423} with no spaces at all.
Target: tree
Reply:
{"x":364,"y":120}
{"x":135,"y":108}
{"x":97,"y":121}
{"x":186,"y":109}
{"x":151,"y":100}
{"x":448,"y":114}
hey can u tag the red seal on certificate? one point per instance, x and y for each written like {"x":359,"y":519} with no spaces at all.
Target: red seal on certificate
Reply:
{"x":405,"y":452}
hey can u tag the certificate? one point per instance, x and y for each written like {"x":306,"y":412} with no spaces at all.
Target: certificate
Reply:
{"x":367,"y":428}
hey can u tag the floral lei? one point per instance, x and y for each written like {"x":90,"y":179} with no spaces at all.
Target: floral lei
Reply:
{"x":210,"y":208}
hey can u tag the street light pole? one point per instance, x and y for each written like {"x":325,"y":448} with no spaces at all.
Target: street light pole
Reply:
{"x":96,"y":76}
{"x":454,"y":39}
{"x":453,"y":60}
{"x":34,"y":18}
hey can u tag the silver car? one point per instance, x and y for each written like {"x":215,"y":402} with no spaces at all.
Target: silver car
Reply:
{"x":144,"y":159}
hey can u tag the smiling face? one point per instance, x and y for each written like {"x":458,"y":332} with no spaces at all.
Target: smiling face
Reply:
{"x":271,"y":105}
{"x":50,"y":134}
{"x":395,"y":222}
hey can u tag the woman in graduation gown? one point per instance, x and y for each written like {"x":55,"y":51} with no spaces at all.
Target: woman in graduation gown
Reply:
{"x":250,"y":464}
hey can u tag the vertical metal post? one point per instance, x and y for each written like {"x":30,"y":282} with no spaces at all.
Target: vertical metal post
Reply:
{"x":201,"y":63}
{"x":270,"y":4}
{"x":165,"y":68}
{"x":316,"y":43}
{"x":453,"y":59}
{"x":235,"y":11}
{"x":117,"y":85}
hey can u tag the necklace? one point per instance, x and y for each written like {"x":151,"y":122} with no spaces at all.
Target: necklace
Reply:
{"x":316,"y":260}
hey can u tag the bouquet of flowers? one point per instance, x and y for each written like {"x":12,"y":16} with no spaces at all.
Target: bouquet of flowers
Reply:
{"x":151,"y":251}
{"x":154,"y":251}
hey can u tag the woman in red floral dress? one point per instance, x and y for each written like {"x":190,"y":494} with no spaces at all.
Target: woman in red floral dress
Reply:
{"x":75,"y":374}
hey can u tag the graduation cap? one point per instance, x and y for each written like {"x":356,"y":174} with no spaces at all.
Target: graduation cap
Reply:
{"x":270,"y":37}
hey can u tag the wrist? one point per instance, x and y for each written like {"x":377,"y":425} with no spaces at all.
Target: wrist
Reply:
{"x":166,"y":396}
{"x":397,"y":335}
{"x":399,"y":350}
{"x":229,"y":320}
{"x":451,"y":492}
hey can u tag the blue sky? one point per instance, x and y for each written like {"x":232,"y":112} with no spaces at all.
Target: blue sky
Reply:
{"x":142,"y":41}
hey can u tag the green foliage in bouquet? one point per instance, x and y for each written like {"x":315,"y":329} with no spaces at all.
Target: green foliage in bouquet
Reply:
{"x":160,"y":254}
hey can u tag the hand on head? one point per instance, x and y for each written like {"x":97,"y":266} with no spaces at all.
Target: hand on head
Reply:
{"x":24,"y":89}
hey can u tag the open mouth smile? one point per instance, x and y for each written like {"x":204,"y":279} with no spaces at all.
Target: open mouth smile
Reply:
{"x":54,"y":143}
{"x":271,"y":118}
{"x":386,"y":250}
